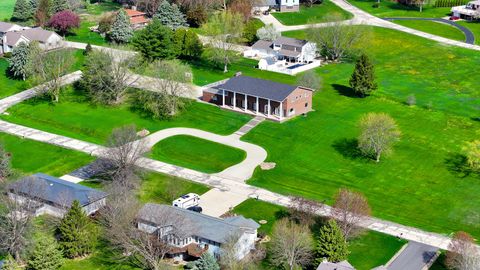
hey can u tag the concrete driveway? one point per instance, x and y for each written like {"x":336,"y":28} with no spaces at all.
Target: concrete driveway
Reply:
{"x":217,"y":202}
{"x":415,"y":256}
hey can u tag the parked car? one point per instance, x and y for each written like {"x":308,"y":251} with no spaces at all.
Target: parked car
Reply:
{"x":197,"y":209}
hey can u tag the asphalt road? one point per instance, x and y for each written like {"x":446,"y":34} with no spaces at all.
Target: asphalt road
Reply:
{"x":414,"y":257}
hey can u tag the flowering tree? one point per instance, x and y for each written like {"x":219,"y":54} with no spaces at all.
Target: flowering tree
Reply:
{"x":64,"y":21}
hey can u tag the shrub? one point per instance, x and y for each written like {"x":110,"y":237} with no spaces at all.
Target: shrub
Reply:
{"x":411,"y":100}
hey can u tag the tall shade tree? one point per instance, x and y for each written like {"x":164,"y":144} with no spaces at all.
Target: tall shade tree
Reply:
{"x":5,"y":163}
{"x":462,"y":253}
{"x":43,"y":12}
{"x":77,"y":234}
{"x":378,"y":133}
{"x":170,"y":16}
{"x":472,"y":153}
{"x":23,"y":10}
{"x":18,"y":63}
{"x":188,"y":44}
{"x":64,"y":21}
{"x":172,"y":84}
{"x":335,"y":41}
{"x":148,"y":6}
{"x":223,"y":30}
{"x":243,"y":7}
{"x":291,"y":245}
{"x":105,"y":79}
{"x":46,"y":255}
{"x":197,"y":16}
{"x":363,"y":77}
{"x":121,"y":31}
{"x":49,"y":67}
{"x":268,"y":32}
{"x":310,"y":79}
{"x":9,"y":263}
{"x":331,"y":243}
{"x":349,"y":209}
{"x":155,"y":42}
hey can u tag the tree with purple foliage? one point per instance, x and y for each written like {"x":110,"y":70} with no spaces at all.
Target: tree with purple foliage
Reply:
{"x":64,"y":21}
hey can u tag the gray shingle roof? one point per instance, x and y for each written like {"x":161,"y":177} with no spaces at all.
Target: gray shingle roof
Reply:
{"x":262,"y":45}
{"x":343,"y":265}
{"x":261,"y":3}
{"x":258,"y":87}
{"x":211,"y":228}
{"x":37,"y":34}
{"x":56,"y":191}
{"x":13,"y":38}
{"x":290,"y":41}
{"x":4,"y":27}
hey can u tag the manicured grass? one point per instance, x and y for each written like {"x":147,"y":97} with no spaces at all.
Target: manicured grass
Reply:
{"x":75,"y":117}
{"x":439,"y":264}
{"x":390,"y":8}
{"x":366,"y":252}
{"x":316,"y":14}
{"x":9,"y":86}
{"x":6,"y":9}
{"x":83,"y":34}
{"x":373,"y":249}
{"x":197,"y":154}
{"x":104,"y":6}
{"x":474,"y":26}
{"x":435,"y":28}
{"x":31,"y":157}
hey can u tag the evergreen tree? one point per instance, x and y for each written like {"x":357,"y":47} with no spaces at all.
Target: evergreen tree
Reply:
{"x":170,"y":15}
{"x":363,"y":77}
{"x":121,"y":31}
{"x":19,"y":61}
{"x":23,"y":10}
{"x":10,"y":264}
{"x":188,"y":44}
{"x":206,"y":262}
{"x":58,"y":5}
{"x":88,"y":49}
{"x":45,"y":256}
{"x":155,"y":42}
{"x":331,"y":243}
{"x":76,"y":232}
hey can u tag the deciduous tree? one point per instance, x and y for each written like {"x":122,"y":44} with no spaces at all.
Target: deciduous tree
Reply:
{"x":170,"y":15}
{"x":5,"y":166}
{"x":155,"y":42}
{"x":43,"y":12}
{"x":9,"y":263}
{"x":77,"y":233}
{"x":268,"y":32}
{"x":121,"y":31}
{"x":310,"y":79}
{"x":331,"y":244}
{"x":64,"y":21}
{"x":188,"y":44}
{"x":243,"y":7}
{"x":197,"y":16}
{"x":472,"y":153}
{"x":291,"y":245}
{"x":378,"y":133}
{"x":462,"y":253}
{"x":303,"y":210}
{"x":46,"y":255}
{"x":363,"y":77}
{"x":106,"y":21}
{"x":349,"y":209}
{"x":223,"y":30}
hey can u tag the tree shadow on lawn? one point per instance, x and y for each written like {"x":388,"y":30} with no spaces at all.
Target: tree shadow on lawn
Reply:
{"x":345,"y":90}
{"x":457,"y":165}
{"x":348,"y":148}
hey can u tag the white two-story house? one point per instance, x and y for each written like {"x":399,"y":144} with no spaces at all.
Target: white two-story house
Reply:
{"x":278,"y":5}
{"x":284,"y":48}
{"x":190,"y":234}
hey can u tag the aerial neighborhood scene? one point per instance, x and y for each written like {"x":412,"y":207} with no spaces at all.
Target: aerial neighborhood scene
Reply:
{"x":239,"y":134}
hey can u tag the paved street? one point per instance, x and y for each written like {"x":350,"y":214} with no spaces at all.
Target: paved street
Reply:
{"x":415,"y":256}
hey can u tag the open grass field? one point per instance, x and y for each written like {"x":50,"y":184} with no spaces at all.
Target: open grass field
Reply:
{"x":6,"y":9}
{"x":389,"y":8}
{"x":83,"y":34}
{"x":422,"y":184}
{"x":197,"y":154}
{"x":9,"y":86}
{"x":75,"y":117}
{"x":367,"y":251}
{"x":435,"y":28}
{"x":315,"y":14}
{"x":31,"y":157}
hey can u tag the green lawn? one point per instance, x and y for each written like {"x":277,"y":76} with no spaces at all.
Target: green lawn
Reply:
{"x":390,"y":8}
{"x":83,"y":34}
{"x":75,"y":117}
{"x":196,"y":153}
{"x":367,"y":251}
{"x":474,"y":26}
{"x":104,"y":6}
{"x":9,"y":86}
{"x":435,"y":28}
{"x":31,"y":157}
{"x":6,"y":9}
{"x":315,"y":14}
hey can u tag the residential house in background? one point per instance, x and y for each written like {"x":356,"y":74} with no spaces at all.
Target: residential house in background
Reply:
{"x":11,"y":35}
{"x":200,"y":233}
{"x":138,"y":19}
{"x":277,"y":5}
{"x":54,"y":196}
{"x":275,"y":101}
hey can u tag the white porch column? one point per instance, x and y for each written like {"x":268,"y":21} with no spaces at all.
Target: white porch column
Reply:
{"x":234,"y":100}
{"x":223,"y":97}
{"x":245,"y":103}
{"x":268,"y":111}
{"x":281,"y":110}
{"x":256,"y":106}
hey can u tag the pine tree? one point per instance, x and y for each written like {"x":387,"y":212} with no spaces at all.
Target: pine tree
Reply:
{"x":45,"y":256}
{"x":19,"y":61}
{"x":206,"y":262}
{"x":363,"y":77}
{"x":10,"y":264}
{"x":23,"y":10}
{"x":331,"y":243}
{"x":58,"y":5}
{"x":76,"y":232}
{"x":170,"y":16}
{"x":155,"y":42}
{"x":121,"y":31}
{"x":188,"y":44}
{"x":88,"y":49}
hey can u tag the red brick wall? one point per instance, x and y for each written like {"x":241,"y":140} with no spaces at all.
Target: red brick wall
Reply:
{"x":297,"y":100}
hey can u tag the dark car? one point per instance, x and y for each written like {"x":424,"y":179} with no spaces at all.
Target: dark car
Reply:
{"x":197,"y":209}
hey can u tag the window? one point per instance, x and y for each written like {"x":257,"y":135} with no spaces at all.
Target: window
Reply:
{"x":306,"y":105}
{"x":214,"y":98}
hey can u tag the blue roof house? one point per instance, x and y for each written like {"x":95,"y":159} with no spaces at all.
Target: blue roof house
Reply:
{"x":54,"y":196}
